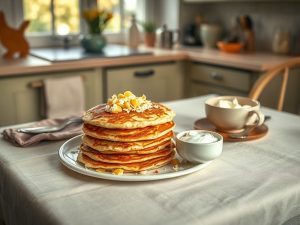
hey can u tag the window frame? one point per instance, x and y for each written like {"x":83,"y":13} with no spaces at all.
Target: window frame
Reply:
{"x":46,"y":40}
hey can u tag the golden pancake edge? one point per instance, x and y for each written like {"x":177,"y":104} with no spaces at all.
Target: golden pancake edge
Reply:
{"x":128,"y":167}
{"x":158,"y":114}
{"x":124,"y":158}
{"x":116,"y":147}
{"x":128,"y":135}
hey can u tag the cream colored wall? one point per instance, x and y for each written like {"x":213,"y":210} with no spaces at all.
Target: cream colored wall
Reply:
{"x":164,"y":12}
{"x":6,"y":7}
{"x":267,"y":17}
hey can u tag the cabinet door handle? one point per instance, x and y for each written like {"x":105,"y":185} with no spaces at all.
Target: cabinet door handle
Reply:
{"x":216,"y":76}
{"x":146,"y":73}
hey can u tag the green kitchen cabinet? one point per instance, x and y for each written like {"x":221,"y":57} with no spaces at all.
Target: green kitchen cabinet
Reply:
{"x":212,"y":79}
{"x":20,"y":102}
{"x":203,"y":79}
{"x":159,"y":82}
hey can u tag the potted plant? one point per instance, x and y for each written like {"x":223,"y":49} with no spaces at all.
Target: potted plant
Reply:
{"x":97,"y":21}
{"x":149,"y":33}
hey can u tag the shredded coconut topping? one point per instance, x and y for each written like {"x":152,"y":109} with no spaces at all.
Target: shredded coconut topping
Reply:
{"x":128,"y":102}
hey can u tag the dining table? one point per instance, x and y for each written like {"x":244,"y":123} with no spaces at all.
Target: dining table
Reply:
{"x":251,"y":182}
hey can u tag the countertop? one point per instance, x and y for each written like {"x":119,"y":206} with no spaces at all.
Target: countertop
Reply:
{"x":259,"y":62}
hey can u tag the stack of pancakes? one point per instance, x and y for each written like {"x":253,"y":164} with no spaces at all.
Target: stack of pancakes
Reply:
{"x":127,"y":141}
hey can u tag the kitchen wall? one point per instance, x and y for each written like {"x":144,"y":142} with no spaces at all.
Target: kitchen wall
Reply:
{"x":5,"y":6}
{"x":164,"y":12}
{"x":267,"y":18}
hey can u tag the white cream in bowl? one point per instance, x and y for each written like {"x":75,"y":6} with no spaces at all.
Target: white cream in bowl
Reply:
{"x":198,"y":137}
{"x":199,"y":146}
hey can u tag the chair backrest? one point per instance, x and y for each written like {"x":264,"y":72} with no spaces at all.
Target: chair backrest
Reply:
{"x":280,"y":70}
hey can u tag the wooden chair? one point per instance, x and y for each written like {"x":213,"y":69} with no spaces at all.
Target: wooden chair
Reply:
{"x":265,"y":79}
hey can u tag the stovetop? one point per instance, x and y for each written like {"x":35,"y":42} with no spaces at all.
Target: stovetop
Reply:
{"x":77,"y":53}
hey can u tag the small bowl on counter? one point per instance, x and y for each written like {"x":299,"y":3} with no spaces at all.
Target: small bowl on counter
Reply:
{"x":230,"y":47}
{"x":199,"y":146}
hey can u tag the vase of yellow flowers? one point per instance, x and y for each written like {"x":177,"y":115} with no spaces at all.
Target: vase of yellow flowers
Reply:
{"x":97,"y":21}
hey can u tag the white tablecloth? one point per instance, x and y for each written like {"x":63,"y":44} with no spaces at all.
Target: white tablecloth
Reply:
{"x":255,"y":182}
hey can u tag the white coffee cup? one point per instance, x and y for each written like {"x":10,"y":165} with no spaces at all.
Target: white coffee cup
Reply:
{"x":234,"y":119}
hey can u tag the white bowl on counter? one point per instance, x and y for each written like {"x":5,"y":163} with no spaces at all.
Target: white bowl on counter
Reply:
{"x":199,"y":146}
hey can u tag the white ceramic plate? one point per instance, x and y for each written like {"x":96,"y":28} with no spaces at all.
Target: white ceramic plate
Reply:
{"x":68,"y":154}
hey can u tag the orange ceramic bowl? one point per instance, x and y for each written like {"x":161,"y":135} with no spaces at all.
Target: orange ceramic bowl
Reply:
{"x":230,"y":47}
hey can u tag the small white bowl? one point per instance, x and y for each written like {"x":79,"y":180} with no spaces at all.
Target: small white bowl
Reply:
{"x":199,"y":152}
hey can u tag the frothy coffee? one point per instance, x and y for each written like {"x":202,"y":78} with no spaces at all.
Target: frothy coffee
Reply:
{"x":231,"y":104}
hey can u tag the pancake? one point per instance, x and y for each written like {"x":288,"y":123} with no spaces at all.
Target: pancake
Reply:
{"x":128,"y":167}
{"x":140,"y":151}
{"x":158,"y":114}
{"x":128,"y":135}
{"x":123,"y":158}
{"x":122,"y":147}
{"x":143,"y":151}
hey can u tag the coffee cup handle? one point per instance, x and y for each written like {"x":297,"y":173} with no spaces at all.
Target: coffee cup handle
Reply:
{"x":260,"y":118}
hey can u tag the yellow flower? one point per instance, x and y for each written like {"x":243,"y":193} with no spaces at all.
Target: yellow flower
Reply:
{"x":91,"y":14}
{"x":97,"y":19}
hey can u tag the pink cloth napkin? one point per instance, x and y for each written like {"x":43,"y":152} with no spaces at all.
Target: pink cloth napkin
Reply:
{"x":64,"y":96}
{"x":23,"y":140}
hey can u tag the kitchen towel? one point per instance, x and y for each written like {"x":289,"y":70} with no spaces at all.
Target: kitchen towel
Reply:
{"x":64,"y":97}
{"x":23,"y":140}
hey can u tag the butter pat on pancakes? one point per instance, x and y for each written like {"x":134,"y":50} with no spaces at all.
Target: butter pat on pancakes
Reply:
{"x":128,"y":102}
{"x":127,"y":134}
{"x":234,"y":104}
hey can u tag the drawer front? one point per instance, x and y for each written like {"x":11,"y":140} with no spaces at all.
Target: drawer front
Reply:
{"x":158,"y":82}
{"x":225,"y":77}
{"x":197,"y":89}
{"x":24,"y":102}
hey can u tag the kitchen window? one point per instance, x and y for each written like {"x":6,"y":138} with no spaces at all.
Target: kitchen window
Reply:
{"x":51,"y":19}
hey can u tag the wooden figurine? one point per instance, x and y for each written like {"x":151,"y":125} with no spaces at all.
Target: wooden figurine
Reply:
{"x":13,"y":39}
